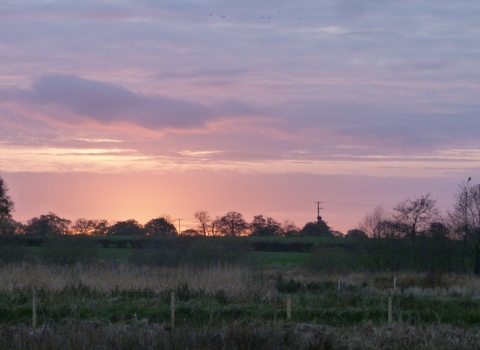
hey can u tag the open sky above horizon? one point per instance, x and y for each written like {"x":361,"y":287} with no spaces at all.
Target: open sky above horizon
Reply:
{"x":133,"y":109}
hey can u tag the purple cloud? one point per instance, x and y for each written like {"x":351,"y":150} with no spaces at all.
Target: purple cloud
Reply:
{"x":108,"y":103}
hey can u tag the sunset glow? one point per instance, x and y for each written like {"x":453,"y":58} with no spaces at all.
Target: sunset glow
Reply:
{"x":134,"y":109}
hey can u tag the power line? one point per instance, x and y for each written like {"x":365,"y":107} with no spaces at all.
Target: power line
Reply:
{"x":357,"y":204}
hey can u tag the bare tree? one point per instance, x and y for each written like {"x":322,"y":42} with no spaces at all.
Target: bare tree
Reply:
{"x":466,"y":219}
{"x":207,"y":226}
{"x":383,"y":233}
{"x":289,"y":228}
{"x":415,"y":216}
{"x":203,"y":222}
{"x":90,"y":227}
{"x":232,"y":224}
{"x":370,"y":223}
{"x":83,"y":226}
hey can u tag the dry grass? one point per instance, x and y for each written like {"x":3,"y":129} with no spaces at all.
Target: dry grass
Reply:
{"x":427,"y":284}
{"x":237,"y":282}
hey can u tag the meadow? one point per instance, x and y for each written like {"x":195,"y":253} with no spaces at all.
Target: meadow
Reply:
{"x":227,"y":295}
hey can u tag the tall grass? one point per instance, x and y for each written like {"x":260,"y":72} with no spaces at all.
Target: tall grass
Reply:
{"x":236,"y":281}
{"x":140,"y":335}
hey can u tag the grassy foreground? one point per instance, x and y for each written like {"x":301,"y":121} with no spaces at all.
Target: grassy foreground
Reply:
{"x":119,"y":305}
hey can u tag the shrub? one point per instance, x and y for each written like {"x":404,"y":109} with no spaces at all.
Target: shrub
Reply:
{"x":206,"y":252}
{"x":69,"y":250}
{"x":12,"y":253}
{"x":157,"y":256}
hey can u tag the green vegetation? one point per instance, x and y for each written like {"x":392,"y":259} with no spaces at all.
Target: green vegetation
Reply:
{"x":246,"y":305}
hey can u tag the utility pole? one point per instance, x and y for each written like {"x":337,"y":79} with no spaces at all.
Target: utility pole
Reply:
{"x":319,"y":218}
{"x":179,"y":226}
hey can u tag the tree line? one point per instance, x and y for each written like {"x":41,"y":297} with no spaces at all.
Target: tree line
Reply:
{"x":417,"y":221}
{"x":231,"y":224}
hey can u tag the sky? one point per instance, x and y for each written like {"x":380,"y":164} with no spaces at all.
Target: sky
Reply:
{"x":135,"y":109}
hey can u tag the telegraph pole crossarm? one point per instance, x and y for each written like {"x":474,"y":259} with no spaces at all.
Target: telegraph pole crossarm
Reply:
{"x":318,"y":211}
{"x":319,"y":218}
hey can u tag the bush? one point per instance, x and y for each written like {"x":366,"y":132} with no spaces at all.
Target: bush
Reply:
{"x":335,"y":260}
{"x":69,"y":250}
{"x":206,"y":252}
{"x":12,"y":253}
{"x":157,"y":256}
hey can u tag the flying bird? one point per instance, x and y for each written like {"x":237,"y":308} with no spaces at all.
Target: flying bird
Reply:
{"x":469,"y":178}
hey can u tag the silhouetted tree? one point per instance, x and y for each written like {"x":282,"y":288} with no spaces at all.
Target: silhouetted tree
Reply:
{"x":205,"y":225}
{"x":466,"y":219}
{"x":290,"y":229}
{"x":49,"y":224}
{"x":316,"y":229}
{"x":161,"y":226}
{"x":83,"y":226}
{"x":90,"y":227}
{"x":232,"y":224}
{"x":12,"y":227}
{"x":100,"y":228}
{"x":190,"y":233}
{"x":438,"y":230}
{"x":414,"y":217}
{"x":383,"y":243}
{"x":337,"y":234}
{"x":356,"y":233}
{"x":370,"y":223}
{"x":6,"y":206}
{"x":261,"y":226}
{"x":126,"y":228}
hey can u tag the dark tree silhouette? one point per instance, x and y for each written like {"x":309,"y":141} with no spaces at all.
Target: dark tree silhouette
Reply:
{"x":6,"y":206}
{"x":46,"y":225}
{"x":160,"y":227}
{"x":289,"y":228}
{"x":466,"y":219}
{"x":415,"y":216}
{"x":90,"y":227}
{"x":261,"y":226}
{"x":356,"y":233}
{"x":190,"y":232}
{"x":126,"y":228}
{"x":232,"y":224}
{"x":205,"y":225}
{"x":316,"y":229}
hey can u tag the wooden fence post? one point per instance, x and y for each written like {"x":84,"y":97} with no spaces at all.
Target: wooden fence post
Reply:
{"x":172,"y":310}
{"x":389,"y":309}
{"x":289,"y":307}
{"x":34,"y":309}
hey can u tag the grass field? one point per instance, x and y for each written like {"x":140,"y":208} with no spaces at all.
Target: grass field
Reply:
{"x":243,"y":307}
{"x":227,"y":296}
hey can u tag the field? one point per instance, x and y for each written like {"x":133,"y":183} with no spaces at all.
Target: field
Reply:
{"x":227,"y":295}
{"x":245,"y":304}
